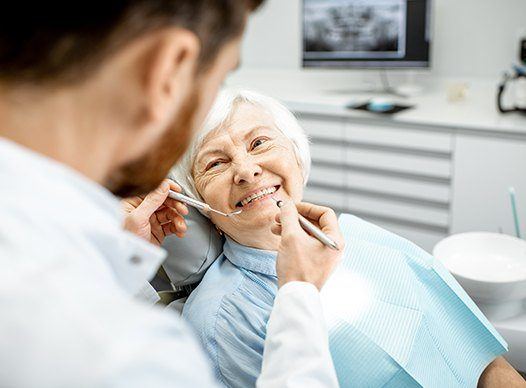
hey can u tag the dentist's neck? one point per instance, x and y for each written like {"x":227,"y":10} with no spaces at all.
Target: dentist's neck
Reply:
{"x":54,"y":124}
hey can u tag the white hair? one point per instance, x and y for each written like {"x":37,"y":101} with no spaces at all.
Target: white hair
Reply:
{"x":219,"y":116}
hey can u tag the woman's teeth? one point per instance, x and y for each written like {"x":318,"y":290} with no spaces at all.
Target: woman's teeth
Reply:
{"x":258,"y":195}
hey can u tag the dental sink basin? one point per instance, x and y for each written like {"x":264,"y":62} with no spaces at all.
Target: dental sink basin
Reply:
{"x":491,"y":268}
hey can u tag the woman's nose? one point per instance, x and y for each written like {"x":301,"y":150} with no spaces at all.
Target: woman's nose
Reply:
{"x":247,"y":172}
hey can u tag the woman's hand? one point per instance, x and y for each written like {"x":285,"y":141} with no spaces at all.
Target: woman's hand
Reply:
{"x":302,"y":257}
{"x":499,"y":373}
{"x":155,"y":216}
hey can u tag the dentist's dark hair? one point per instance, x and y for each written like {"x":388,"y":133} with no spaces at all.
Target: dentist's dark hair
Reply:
{"x":65,"y":41}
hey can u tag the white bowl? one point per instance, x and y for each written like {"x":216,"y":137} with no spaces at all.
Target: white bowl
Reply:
{"x":491,"y":268}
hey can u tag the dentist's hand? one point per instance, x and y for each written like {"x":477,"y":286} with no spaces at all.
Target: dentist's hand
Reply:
{"x":302,"y":257}
{"x":155,"y":216}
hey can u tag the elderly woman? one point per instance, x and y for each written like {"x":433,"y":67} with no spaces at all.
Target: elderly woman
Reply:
{"x":417,"y":327}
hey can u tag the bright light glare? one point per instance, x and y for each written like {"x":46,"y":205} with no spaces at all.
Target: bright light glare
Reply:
{"x":346,"y":296}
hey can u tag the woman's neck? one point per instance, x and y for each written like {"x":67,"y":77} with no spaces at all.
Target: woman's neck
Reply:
{"x":259,"y":239}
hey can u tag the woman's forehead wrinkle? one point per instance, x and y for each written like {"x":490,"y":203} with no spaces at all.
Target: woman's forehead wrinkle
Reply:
{"x":214,"y":143}
{"x":239,"y":129}
{"x":249,"y":116}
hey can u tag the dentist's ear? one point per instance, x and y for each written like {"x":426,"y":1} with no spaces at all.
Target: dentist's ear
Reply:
{"x":170,"y":73}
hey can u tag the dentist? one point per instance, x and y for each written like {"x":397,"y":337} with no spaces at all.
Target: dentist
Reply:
{"x":98,"y":100}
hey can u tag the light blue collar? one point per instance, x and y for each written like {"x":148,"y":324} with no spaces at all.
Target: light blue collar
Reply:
{"x":252,"y":259}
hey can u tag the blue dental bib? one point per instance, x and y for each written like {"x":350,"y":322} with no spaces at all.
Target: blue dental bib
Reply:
{"x":397,"y":318}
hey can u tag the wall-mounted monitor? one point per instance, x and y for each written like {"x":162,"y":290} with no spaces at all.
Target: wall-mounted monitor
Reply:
{"x":366,"y":33}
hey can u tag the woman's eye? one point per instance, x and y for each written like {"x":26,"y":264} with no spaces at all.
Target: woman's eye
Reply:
{"x":213,"y":164}
{"x":258,"y":142}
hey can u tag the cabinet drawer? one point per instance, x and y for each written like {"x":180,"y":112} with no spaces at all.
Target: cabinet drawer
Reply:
{"x":403,"y":163}
{"x":404,"y":212}
{"x":393,"y":188}
{"x":325,"y":197}
{"x":388,"y":185}
{"x":399,"y":137}
{"x":323,"y":128}
{"x":328,"y":175}
{"x":328,"y":152}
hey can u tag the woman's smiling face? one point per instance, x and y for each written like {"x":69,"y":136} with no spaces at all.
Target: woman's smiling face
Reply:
{"x":241,"y":166}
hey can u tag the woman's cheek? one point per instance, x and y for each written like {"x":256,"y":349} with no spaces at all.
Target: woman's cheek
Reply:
{"x":215,"y":192}
{"x":202,"y":184}
{"x":207,"y":194}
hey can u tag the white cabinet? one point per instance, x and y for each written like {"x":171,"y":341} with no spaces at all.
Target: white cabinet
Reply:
{"x":327,"y":175}
{"x":396,"y":177}
{"x":484,"y":169}
{"x":394,"y":186}
{"x":422,"y":183}
{"x":396,"y":136}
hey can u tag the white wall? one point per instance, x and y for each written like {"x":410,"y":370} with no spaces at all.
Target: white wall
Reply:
{"x":476,"y":38}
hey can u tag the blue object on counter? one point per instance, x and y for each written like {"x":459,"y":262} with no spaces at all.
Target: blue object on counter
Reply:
{"x":380,"y":105}
{"x":398,"y":318}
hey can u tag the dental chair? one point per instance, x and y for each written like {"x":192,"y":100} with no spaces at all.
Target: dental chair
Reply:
{"x":187,"y":261}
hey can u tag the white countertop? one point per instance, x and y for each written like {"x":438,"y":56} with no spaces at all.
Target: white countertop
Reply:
{"x":326,"y":94}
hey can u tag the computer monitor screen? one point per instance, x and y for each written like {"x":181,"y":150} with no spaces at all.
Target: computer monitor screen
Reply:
{"x":366,"y":33}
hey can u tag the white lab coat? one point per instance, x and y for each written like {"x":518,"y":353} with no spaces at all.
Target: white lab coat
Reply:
{"x":68,"y":277}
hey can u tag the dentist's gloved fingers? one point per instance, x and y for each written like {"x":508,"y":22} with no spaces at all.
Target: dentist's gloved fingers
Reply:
{"x":169,"y":229}
{"x":158,"y":198}
{"x":170,"y":215}
{"x":289,"y":218}
{"x":153,"y":200}
{"x":156,"y":230}
{"x":302,"y":257}
{"x":179,"y":206}
{"x":323,"y":217}
{"x":310,"y":211}
{"x":142,"y":214}
{"x":174,"y":186}
{"x":176,"y":226}
{"x":276,"y":229}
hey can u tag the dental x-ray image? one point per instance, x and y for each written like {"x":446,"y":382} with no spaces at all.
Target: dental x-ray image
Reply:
{"x":355,"y":28}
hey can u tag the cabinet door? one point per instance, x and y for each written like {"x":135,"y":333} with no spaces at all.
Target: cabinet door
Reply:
{"x":328,"y":158}
{"x":399,"y":178}
{"x":396,"y":177}
{"x":322,"y":128}
{"x":484,"y":169}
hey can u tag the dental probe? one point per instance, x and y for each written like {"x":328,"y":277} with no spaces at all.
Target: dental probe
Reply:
{"x":198,"y":204}
{"x":312,"y":229}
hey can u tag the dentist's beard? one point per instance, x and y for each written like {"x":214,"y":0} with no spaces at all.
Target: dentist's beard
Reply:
{"x":146,"y":173}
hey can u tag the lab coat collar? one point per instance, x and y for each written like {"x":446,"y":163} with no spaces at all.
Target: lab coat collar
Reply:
{"x":89,"y":211}
{"x":252,"y":259}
